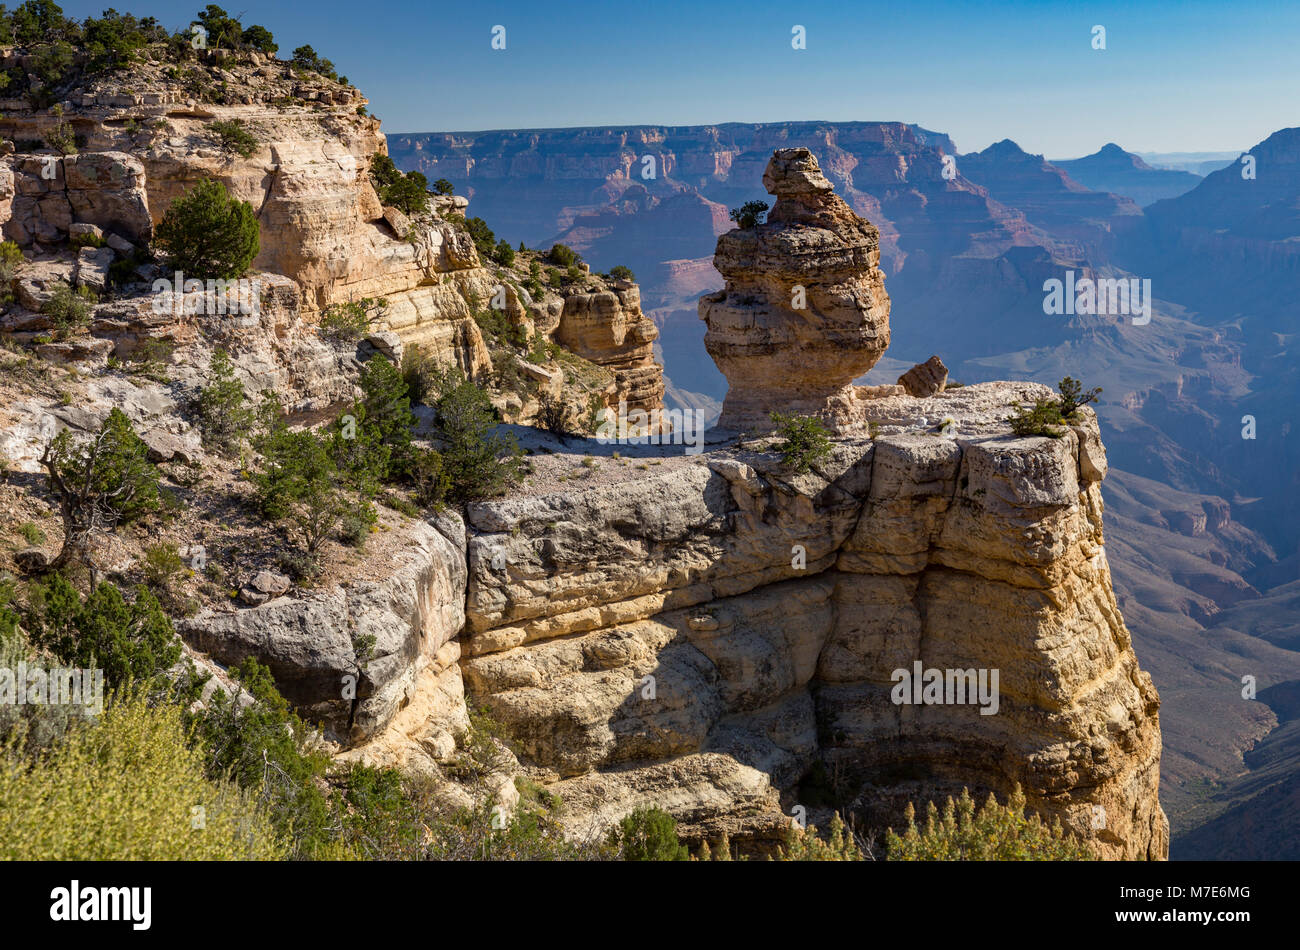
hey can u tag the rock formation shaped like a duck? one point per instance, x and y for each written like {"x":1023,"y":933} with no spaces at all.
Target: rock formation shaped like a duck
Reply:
{"x":804,"y":311}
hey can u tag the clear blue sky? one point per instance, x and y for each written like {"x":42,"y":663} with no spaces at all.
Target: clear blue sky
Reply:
{"x":1176,"y":76}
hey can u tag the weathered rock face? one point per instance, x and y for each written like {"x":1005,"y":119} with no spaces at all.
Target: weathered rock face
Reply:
{"x":608,"y":328}
{"x":804,"y":311}
{"x":351,"y":657}
{"x":701,"y":638}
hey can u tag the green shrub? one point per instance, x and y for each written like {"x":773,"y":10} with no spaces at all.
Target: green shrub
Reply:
{"x":129,"y":640}
{"x":432,"y":483}
{"x":443,"y":187}
{"x":1049,"y":416}
{"x":504,"y":254}
{"x":234,"y":137}
{"x":304,"y":57}
{"x":648,"y":834}
{"x":750,"y":214}
{"x":68,"y":309}
{"x":384,"y":414}
{"x":619,"y":272}
{"x":349,"y":322}
{"x":99,"y":482}
{"x":300,"y":482}
{"x":994,"y":833}
{"x":556,"y":416}
{"x":807,"y":442}
{"x":11,"y":257}
{"x":478,"y":464}
{"x":1073,"y":397}
{"x":484,"y":240}
{"x":163,"y":566}
{"x":804,"y":844}
{"x":264,"y":748}
{"x":128,"y":787}
{"x":1043,"y":418}
{"x":561,"y":255}
{"x":259,"y":39}
{"x":207,"y":234}
{"x":408,"y":193}
{"x":224,"y":417}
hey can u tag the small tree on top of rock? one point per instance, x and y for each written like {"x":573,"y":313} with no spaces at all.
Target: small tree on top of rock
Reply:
{"x":99,"y":482}
{"x":407,"y":193}
{"x":750,"y":214}
{"x":806,"y":441}
{"x":207,"y":234}
{"x":1047,"y":416}
{"x":443,"y":187}
{"x":224,"y":417}
{"x":1073,"y":397}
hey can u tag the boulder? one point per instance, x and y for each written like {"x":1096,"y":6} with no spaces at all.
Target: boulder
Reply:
{"x":925,"y":379}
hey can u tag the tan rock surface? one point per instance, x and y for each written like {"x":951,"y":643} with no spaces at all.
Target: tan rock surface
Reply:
{"x":625,"y":631}
{"x":804,"y":311}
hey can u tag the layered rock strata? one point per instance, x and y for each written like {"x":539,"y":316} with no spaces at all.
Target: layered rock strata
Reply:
{"x":703,"y":638}
{"x":608,"y":328}
{"x":804,"y":311}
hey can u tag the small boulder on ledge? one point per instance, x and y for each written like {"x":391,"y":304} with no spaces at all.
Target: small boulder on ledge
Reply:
{"x":925,"y":379}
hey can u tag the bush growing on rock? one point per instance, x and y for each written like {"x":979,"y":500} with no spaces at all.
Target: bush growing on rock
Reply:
{"x":234,"y":137}
{"x":304,"y":57}
{"x":349,"y":322}
{"x":806,"y":441}
{"x":750,"y":214}
{"x":1073,"y":397}
{"x":619,"y":272}
{"x":504,"y":254}
{"x":477,"y":463}
{"x":207,"y":234}
{"x":300,"y":483}
{"x":128,"y":639}
{"x":408,"y":193}
{"x":443,"y":187}
{"x":804,"y":844}
{"x":993,"y":833}
{"x":648,"y":834}
{"x":68,"y":309}
{"x":99,"y":482}
{"x":11,"y":258}
{"x":561,"y":255}
{"x":484,"y":240}
{"x":259,"y":38}
{"x":1048,"y":416}
{"x":224,"y":417}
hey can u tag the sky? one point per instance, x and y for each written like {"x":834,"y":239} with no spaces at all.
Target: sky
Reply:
{"x":1186,"y":75}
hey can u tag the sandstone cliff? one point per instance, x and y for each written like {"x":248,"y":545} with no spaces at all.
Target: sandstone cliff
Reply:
{"x":145,"y":136}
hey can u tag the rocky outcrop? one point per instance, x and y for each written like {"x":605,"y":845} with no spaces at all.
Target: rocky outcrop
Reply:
{"x":608,"y":328}
{"x":804,"y":311}
{"x":350,"y":657}
{"x":925,"y":379}
{"x":726,"y":626}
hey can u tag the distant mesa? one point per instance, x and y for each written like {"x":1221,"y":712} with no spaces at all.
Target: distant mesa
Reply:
{"x":1113,"y":169}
